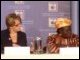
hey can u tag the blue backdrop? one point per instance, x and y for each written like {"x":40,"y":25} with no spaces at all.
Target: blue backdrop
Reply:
{"x":37,"y":16}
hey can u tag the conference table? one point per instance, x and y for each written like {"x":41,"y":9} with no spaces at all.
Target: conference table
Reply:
{"x":24,"y":53}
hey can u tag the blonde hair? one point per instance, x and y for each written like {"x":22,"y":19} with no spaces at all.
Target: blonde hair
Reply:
{"x":10,"y":19}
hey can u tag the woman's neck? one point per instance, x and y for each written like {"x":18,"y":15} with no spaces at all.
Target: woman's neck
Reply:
{"x":12,"y":31}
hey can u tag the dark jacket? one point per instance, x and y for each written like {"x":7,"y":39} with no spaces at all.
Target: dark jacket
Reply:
{"x":5,"y":39}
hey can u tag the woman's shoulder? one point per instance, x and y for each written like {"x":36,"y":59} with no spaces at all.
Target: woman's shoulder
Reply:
{"x":21,"y":33}
{"x":4,"y":31}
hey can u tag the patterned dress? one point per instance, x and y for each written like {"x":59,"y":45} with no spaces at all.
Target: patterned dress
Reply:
{"x":54,"y":42}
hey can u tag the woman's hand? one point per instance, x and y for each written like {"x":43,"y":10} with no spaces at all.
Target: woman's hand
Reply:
{"x":15,"y":45}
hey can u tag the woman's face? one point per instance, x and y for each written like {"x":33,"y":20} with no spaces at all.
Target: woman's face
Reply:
{"x":65,"y":31}
{"x":17,"y":26}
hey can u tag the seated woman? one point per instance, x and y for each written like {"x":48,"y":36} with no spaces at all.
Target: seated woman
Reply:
{"x":64,"y":36}
{"x":13,"y":36}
